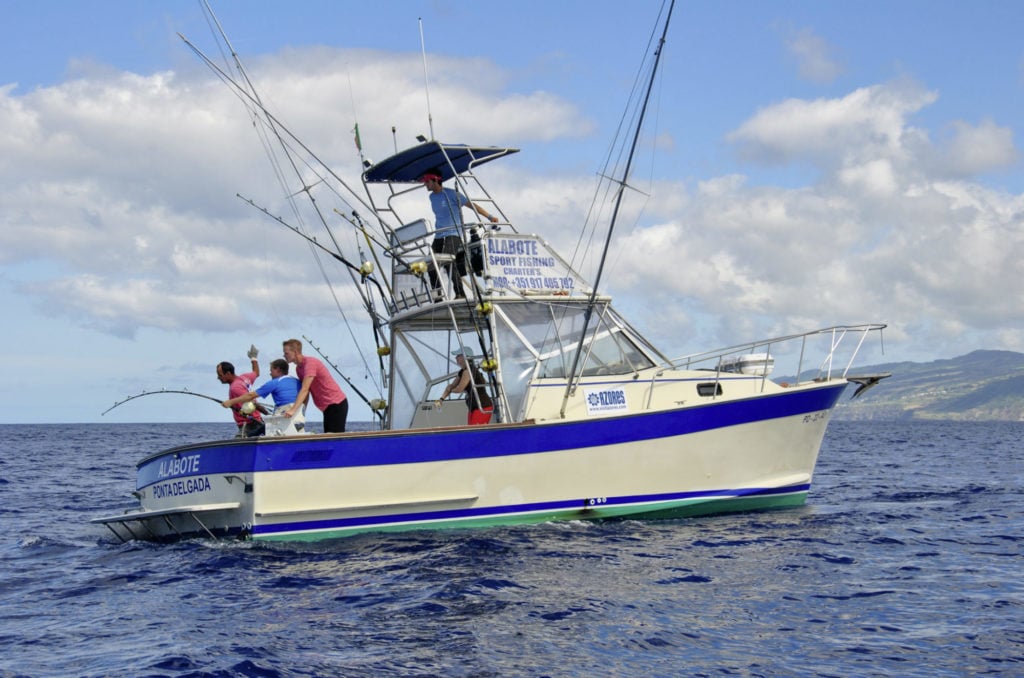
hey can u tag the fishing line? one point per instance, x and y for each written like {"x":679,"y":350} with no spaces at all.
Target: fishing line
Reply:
{"x":266,"y":120}
{"x":426,"y":82}
{"x":315,"y":247}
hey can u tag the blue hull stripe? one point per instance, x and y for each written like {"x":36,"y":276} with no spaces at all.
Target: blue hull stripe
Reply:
{"x":423,"y":446}
{"x":540,"y":507}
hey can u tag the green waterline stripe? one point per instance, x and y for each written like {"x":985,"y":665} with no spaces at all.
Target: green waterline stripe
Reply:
{"x":652,"y":511}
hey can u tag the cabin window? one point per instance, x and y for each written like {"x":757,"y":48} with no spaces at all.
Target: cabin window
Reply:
{"x":610,"y":351}
{"x":710,"y":388}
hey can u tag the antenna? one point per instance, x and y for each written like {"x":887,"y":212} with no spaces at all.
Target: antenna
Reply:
{"x":426,"y":83}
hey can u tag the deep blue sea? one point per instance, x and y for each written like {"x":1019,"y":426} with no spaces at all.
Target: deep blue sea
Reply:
{"x":906,"y":561}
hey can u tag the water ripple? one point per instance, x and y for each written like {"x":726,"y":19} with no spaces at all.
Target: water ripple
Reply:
{"x":904,"y":562}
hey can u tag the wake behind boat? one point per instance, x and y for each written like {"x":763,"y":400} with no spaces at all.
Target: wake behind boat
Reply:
{"x":589,"y":421}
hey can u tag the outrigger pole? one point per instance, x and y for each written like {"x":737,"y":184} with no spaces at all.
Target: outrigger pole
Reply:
{"x":246,"y":91}
{"x":271,"y":119}
{"x":573,"y":377}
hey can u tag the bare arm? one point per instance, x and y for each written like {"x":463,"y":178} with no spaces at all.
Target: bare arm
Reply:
{"x":482,"y":212}
{"x":245,"y":397}
{"x":301,"y":398}
{"x":458,"y":385}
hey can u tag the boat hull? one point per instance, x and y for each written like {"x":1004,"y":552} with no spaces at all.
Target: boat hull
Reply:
{"x":746,"y":454}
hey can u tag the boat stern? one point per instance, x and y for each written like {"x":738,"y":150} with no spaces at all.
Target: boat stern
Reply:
{"x":201,"y":490}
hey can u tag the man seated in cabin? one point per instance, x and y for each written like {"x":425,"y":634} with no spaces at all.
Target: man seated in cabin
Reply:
{"x":447,"y":205}
{"x":282,"y":389}
{"x":249,"y":425}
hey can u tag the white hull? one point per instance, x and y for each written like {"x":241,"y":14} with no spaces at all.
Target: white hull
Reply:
{"x":326,"y":486}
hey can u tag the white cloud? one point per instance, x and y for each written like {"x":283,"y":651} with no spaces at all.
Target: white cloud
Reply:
{"x":126,"y":183}
{"x":813,"y":56}
{"x":973,"y":150}
{"x":874,"y":177}
{"x":868,"y":123}
{"x":122,"y":307}
{"x":119,"y":193}
{"x":883,"y":235}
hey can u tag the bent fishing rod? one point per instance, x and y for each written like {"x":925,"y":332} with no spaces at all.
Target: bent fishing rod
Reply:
{"x":163,"y":390}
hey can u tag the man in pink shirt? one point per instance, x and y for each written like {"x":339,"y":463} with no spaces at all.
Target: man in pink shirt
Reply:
{"x":239,"y":384}
{"x":318,"y":383}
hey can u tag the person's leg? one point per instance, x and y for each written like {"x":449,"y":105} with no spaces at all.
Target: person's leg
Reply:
{"x":453,"y":246}
{"x":343,"y":407}
{"x":335,"y":416}
{"x":459,"y":270}
{"x":438,"y":246}
{"x":480,"y":417}
{"x":254,"y":429}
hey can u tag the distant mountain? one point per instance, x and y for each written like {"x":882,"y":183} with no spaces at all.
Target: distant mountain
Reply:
{"x":979,"y":386}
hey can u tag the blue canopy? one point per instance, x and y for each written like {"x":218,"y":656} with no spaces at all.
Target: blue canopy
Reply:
{"x":409,"y":165}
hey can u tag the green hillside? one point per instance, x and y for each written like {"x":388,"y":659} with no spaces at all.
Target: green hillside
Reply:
{"x":979,"y":386}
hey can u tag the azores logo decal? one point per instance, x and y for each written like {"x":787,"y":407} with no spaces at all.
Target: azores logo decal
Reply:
{"x":602,"y":401}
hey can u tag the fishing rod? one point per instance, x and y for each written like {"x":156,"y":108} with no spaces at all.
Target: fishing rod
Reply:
{"x":285,"y":138}
{"x":163,"y":390}
{"x":378,"y":411}
{"x":273,"y":122}
{"x":365,"y":269}
{"x":371,"y":240}
{"x":375,"y":320}
{"x":313,"y":241}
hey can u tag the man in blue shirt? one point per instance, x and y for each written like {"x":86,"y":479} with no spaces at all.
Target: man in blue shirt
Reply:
{"x":447,"y":205}
{"x":283,"y":388}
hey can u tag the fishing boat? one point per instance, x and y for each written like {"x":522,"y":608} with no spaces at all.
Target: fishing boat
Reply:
{"x":590,"y":420}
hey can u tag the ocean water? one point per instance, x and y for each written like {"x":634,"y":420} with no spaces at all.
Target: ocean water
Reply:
{"x":907,"y":560}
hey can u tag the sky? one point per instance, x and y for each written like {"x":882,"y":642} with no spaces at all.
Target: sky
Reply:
{"x":804,"y":164}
